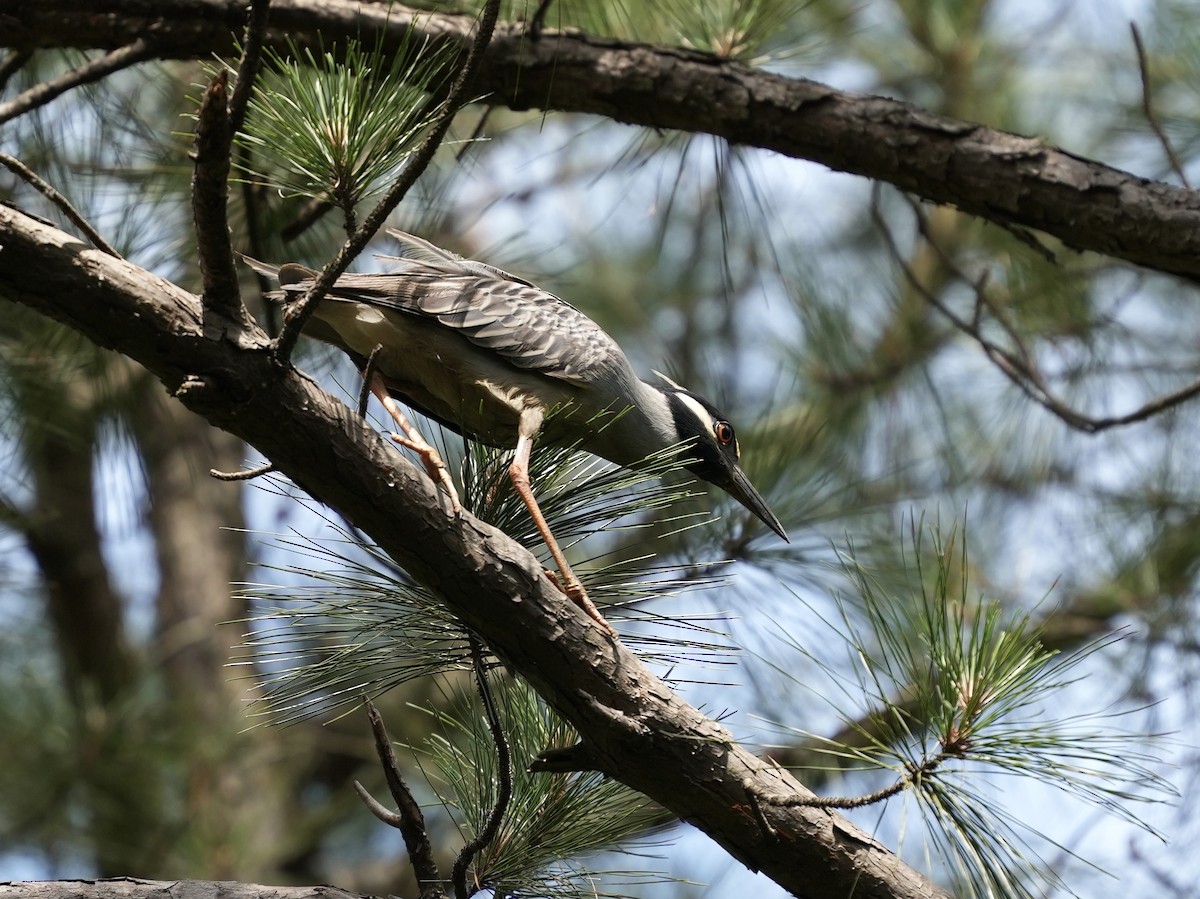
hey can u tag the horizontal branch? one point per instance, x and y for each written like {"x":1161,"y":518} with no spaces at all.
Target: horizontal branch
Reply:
{"x":1003,"y":177}
{"x":134,"y":888}
{"x":638,"y":730}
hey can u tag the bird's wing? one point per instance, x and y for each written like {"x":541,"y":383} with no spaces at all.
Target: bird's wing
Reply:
{"x":524,"y":325}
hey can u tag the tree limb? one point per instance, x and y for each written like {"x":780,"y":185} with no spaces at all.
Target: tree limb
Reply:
{"x":134,"y":888}
{"x":1006,"y":178}
{"x":640,"y":732}
{"x":137,"y":50}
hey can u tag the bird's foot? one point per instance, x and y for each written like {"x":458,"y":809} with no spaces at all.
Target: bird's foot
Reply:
{"x":574,"y":591}
{"x":437,"y":470}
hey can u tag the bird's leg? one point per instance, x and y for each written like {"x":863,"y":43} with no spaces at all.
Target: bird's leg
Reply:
{"x":412,"y":439}
{"x":571,"y":585}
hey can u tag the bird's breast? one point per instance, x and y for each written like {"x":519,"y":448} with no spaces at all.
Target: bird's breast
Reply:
{"x":445,"y":375}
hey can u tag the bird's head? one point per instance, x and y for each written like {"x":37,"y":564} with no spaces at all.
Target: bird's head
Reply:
{"x":713,"y":453}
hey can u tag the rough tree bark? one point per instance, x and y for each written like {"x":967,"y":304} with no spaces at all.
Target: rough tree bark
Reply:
{"x":1013,"y":180}
{"x":632,"y":726}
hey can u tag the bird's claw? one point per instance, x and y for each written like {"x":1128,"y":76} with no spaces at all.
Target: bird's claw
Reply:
{"x":437,"y":470}
{"x":574,"y":591}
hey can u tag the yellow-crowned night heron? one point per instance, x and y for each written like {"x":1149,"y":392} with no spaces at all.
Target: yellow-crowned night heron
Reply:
{"x":490,"y":355}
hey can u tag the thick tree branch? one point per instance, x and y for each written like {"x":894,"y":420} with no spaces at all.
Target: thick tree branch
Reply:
{"x":133,"y":888}
{"x":1005,"y":178}
{"x":639,"y":731}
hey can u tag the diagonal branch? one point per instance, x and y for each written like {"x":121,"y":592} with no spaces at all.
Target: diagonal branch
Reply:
{"x":1148,"y":107}
{"x":132,"y":53}
{"x":638,"y":730}
{"x":47,"y":190}
{"x":1019,"y":364}
{"x":408,"y":820}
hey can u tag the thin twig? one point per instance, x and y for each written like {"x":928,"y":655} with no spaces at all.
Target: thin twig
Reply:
{"x":13,"y":63}
{"x":1148,"y":107}
{"x":294,"y":322}
{"x":250,"y":473}
{"x":843,"y":802}
{"x":377,"y":808}
{"x":475,"y":133}
{"x":503,"y":763}
{"x":411,"y":822}
{"x":41,"y":94}
{"x":368,"y":373}
{"x":912,"y":778}
{"x":256,"y":30}
{"x":1019,"y":367}
{"x":309,"y":215}
{"x":47,"y":190}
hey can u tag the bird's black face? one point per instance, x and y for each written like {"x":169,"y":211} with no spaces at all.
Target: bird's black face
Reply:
{"x":714,"y":453}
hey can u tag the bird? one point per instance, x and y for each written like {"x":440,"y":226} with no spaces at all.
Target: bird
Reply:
{"x":505,"y":363}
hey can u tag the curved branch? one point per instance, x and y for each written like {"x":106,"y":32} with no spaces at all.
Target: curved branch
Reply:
{"x":1009,"y":179}
{"x":639,"y":731}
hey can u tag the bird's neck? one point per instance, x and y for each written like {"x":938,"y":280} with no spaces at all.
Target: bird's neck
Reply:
{"x":644,"y":428}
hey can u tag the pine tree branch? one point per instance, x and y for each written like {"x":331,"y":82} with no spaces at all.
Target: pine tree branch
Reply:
{"x":409,"y":819}
{"x":293,"y":323}
{"x":135,"y":888}
{"x":47,"y":190}
{"x":1009,"y":179}
{"x":210,"y":199}
{"x":135,"y":51}
{"x":640,"y":732}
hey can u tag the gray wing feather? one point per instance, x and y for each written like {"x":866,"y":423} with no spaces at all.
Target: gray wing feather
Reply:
{"x":523,"y":324}
{"x":526,"y":326}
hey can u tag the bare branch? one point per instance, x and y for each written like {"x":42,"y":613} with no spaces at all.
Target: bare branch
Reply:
{"x":294,"y":322}
{"x":538,"y":21}
{"x":247,"y":475}
{"x":41,"y":94}
{"x":377,"y":808}
{"x":13,"y":62}
{"x":47,"y":190}
{"x":1148,"y":107}
{"x":256,"y":30}
{"x":409,"y":820}
{"x":210,"y":199}
{"x":1019,"y":367}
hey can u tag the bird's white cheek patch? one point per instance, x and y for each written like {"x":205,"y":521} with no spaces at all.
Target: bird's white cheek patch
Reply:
{"x":699,"y":411}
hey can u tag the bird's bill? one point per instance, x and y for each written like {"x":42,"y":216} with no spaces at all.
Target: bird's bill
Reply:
{"x":739,"y":487}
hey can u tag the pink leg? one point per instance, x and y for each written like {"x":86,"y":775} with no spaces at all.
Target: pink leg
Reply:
{"x":414,"y":441}
{"x":519,"y":472}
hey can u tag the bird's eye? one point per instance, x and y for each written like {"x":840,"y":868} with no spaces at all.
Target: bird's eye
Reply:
{"x":723,"y":431}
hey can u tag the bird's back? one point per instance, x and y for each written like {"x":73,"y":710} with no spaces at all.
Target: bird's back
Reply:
{"x":518,"y":323}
